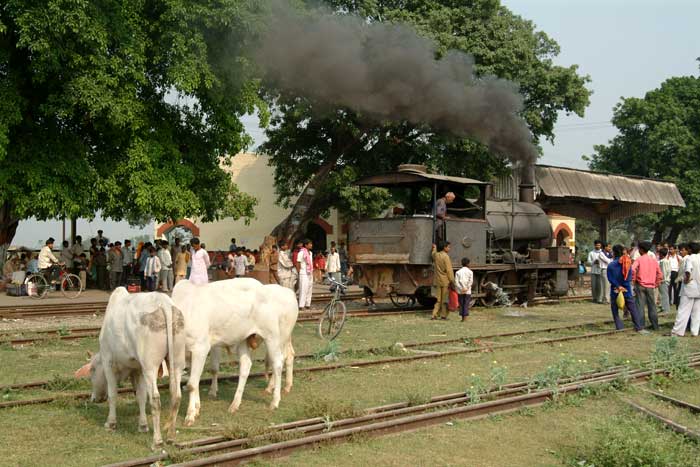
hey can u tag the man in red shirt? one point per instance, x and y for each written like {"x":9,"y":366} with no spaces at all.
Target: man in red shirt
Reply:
{"x":646,"y":276}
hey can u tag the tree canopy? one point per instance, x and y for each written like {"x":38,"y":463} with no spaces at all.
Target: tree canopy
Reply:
{"x":333,"y":146}
{"x":128,"y":107}
{"x":659,"y":137}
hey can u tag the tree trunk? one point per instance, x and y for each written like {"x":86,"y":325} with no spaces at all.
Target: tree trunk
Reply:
{"x":307,"y":207}
{"x":658,"y":234}
{"x":673,"y":234}
{"x":8,"y":228}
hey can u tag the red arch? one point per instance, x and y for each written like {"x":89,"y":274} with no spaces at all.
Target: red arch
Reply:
{"x":564,"y":227}
{"x":324,"y":225}
{"x":182,"y":222}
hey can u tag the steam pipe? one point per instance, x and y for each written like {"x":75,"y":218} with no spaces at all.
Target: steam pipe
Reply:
{"x":527,"y":183}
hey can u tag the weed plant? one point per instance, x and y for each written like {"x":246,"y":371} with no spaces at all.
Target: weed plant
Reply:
{"x":634,"y":441}
{"x":671,"y":354}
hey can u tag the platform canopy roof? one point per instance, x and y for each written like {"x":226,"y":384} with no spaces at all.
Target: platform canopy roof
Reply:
{"x":592,"y":195}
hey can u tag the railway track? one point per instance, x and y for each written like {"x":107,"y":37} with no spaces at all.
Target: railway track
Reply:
{"x":387,"y":419}
{"x":357,"y":364}
{"x":93,"y":331}
{"x":95,"y":308}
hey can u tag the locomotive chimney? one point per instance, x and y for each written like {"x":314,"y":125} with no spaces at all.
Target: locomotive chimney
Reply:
{"x":527,"y":183}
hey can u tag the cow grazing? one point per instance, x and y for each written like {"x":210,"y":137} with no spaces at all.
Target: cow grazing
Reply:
{"x":226,"y":314}
{"x":138,"y":332}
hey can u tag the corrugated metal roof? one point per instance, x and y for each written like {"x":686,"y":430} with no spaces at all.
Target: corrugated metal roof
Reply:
{"x":561,"y":182}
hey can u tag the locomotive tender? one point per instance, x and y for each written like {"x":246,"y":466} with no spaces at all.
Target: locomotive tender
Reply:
{"x":508,"y":242}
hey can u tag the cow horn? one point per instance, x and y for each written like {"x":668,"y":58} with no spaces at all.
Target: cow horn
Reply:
{"x":89,"y":355}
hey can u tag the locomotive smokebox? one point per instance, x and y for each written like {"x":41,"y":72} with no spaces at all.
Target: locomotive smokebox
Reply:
{"x":527,"y":183}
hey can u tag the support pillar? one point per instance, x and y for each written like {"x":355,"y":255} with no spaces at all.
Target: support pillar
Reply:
{"x":73,"y":229}
{"x":603,"y":229}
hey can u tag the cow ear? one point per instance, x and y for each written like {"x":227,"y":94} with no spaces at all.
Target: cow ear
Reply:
{"x":83,"y":371}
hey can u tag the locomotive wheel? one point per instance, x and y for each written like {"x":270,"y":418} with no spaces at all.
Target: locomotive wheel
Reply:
{"x":489,"y":300}
{"x":424,"y":297}
{"x":401,"y":301}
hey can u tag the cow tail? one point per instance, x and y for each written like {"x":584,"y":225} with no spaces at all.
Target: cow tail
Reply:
{"x":168,"y":312}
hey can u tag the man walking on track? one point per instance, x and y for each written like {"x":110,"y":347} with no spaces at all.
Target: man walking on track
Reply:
{"x":443,"y":279}
{"x":200,"y":263}
{"x":647,"y":277}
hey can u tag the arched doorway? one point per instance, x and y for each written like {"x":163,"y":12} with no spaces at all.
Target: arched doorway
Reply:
{"x":317,"y":235}
{"x":562,"y":235}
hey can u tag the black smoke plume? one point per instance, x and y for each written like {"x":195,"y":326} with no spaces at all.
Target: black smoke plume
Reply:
{"x":390,"y":72}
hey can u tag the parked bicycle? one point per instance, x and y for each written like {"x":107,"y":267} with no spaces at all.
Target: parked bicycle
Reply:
{"x":333,"y":317}
{"x":40,"y":284}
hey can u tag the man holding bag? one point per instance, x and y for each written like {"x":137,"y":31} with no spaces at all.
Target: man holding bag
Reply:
{"x":619,"y":276}
{"x":690,"y":294}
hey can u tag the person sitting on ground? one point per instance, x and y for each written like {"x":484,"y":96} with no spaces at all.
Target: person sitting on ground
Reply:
{"x":464,"y":279}
{"x":250,"y":257}
{"x":11,"y":266}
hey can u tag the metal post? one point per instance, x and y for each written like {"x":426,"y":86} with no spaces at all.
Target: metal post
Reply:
{"x":434,"y":210}
{"x":512,"y":215}
{"x":63,"y":228}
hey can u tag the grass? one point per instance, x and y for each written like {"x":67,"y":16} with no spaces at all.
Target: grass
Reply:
{"x":69,"y":427}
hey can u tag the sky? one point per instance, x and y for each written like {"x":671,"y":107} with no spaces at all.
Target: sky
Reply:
{"x":627,"y":47}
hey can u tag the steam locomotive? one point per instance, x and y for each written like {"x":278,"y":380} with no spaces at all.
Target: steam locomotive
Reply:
{"x":508,"y":242}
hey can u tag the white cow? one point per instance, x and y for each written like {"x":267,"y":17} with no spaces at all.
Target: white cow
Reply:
{"x":225,"y":314}
{"x":138,"y":332}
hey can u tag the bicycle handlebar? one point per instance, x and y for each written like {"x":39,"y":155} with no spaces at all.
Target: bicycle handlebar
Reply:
{"x":340,"y":284}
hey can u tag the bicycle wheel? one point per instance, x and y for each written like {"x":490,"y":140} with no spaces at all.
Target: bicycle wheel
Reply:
{"x":37,"y":286}
{"x":71,"y":286}
{"x":332,"y":320}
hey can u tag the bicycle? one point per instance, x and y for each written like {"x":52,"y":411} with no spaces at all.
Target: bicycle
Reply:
{"x":38,"y":286}
{"x":333,"y":317}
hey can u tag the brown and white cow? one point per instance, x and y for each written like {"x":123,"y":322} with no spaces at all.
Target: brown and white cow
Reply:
{"x":138,"y":332}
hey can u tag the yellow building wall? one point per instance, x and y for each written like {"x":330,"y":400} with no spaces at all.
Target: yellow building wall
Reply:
{"x":558,"y":222}
{"x":251,"y":173}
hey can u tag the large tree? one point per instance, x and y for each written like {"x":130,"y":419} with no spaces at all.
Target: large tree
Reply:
{"x":316,"y":155}
{"x":659,"y":137}
{"x":128,"y":107}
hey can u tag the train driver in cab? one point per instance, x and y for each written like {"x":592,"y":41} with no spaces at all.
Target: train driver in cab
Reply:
{"x":441,"y":214}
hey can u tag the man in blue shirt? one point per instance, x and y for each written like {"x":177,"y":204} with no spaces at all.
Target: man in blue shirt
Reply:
{"x":620,"y":277}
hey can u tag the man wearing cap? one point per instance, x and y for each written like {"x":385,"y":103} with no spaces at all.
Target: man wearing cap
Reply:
{"x":47,"y":259}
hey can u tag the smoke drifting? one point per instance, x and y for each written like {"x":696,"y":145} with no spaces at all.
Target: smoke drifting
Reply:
{"x":390,"y":72}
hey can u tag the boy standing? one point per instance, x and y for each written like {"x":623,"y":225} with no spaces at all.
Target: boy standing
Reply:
{"x":665,"y":267}
{"x":463,"y":283}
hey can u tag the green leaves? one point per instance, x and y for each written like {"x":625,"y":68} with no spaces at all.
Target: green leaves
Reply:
{"x":660,"y":138}
{"x":130,"y":107}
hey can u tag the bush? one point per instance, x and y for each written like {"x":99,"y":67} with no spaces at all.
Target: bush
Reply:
{"x":635,"y":441}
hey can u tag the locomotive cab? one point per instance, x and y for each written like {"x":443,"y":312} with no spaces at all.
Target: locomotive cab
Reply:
{"x":391,"y":252}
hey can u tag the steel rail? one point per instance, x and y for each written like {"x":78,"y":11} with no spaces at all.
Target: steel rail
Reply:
{"x":677,"y":402}
{"x":401,"y":417}
{"x":675,"y":426}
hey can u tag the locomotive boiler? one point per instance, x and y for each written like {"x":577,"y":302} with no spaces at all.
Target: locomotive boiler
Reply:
{"x":508,"y":242}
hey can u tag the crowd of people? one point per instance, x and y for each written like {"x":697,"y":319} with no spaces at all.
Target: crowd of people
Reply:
{"x":646,"y":277}
{"x":158,"y":265}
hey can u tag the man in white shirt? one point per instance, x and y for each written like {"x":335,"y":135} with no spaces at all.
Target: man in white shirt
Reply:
{"x":597,"y":290}
{"x":240,"y":263}
{"x":690,"y":294}
{"x":67,"y":255}
{"x":127,"y":261}
{"x":166,"y":267}
{"x":152,"y":270}
{"x":304,"y":266}
{"x":605,"y":258}
{"x":200,"y":263}
{"x":285,"y":268}
{"x":464,"y":278}
{"x":333,"y":265}
{"x":46,"y":257}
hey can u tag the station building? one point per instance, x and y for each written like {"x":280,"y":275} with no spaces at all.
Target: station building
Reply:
{"x":252,"y":174}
